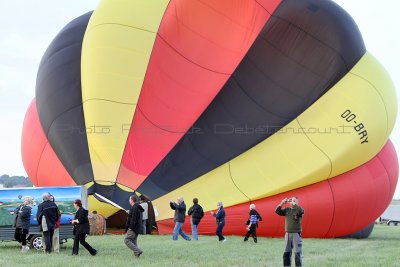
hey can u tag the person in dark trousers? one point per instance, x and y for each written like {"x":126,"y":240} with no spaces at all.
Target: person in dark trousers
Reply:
{"x":293,"y":216}
{"x":134,"y":226}
{"x":47,"y":216}
{"x":81,"y":229}
{"x":145,"y":213}
{"x":220,"y":219}
{"x":179,"y":218}
{"x":56,"y":234}
{"x":253,"y":223}
{"x":23,"y":222}
{"x":197,"y":213}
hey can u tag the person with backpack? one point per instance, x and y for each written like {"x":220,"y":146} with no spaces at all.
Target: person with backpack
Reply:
{"x":197,"y":213}
{"x":253,"y":223}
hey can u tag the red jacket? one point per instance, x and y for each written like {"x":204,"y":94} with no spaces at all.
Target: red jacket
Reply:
{"x":57,"y":225}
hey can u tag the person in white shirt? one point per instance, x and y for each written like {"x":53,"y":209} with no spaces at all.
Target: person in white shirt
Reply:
{"x":145,"y":213}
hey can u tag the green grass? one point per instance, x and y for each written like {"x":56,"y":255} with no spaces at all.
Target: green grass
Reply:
{"x":381,"y":249}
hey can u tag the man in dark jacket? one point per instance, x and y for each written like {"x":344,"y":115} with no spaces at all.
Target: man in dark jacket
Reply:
{"x":134,"y":226}
{"x":293,"y":216}
{"x":197,"y":213}
{"x":179,"y":218}
{"x":47,"y":216}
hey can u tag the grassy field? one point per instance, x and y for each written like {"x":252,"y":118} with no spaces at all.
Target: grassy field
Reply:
{"x":381,"y":249}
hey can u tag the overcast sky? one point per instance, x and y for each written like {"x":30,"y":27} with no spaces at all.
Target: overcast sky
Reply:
{"x":28,"y":27}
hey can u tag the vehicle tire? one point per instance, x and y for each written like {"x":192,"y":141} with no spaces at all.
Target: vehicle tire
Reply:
{"x":36,"y":242}
{"x":391,"y":223}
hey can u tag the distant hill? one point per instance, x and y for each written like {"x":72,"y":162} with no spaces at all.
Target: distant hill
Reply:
{"x":15,"y":181}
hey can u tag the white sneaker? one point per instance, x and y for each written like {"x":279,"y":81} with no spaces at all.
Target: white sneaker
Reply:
{"x":224,"y":240}
{"x":24,"y":249}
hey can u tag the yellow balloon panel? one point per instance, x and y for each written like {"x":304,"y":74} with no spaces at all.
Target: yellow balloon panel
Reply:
{"x":115,"y":54}
{"x":355,"y":116}
{"x":107,"y":128}
{"x":375,"y":74}
{"x":209,"y":189}
{"x":102,"y":208}
{"x":140,"y":14}
{"x":282,"y":162}
{"x":114,"y":63}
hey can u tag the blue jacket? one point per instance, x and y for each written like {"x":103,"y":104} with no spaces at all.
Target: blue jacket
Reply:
{"x":220,"y":215}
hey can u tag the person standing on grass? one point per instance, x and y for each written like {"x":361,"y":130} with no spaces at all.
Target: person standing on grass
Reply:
{"x":253,"y":223}
{"x":145,"y":213}
{"x":47,"y":216}
{"x":23,"y":222}
{"x":220,"y":219}
{"x":134,"y":226}
{"x":81,"y":229}
{"x":56,"y":234}
{"x":197,"y":213}
{"x":293,"y":217}
{"x":179,"y":218}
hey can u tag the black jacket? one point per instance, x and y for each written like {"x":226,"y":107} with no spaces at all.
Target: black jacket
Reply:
{"x":134,"y":221}
{"x":197,"y":213}
{"x":23,"y":217}
{"x":83,"y":226}
{"x":49,"y":210}
{"x":180,"y":210}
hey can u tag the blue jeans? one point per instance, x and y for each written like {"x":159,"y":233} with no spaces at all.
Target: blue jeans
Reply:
{"x":178,"y":230}
{"x":194,"y":231}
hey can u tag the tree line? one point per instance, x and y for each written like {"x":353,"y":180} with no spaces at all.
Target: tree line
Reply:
{"x":15,"y":181}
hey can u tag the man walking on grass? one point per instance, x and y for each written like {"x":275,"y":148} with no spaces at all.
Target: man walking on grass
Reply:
{"x":179,"y":218}
{"x":293,"y":216}
{"x":134,"y":226}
